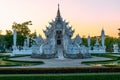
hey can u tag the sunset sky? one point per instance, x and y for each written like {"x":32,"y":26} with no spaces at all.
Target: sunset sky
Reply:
{"x":87,"y":17}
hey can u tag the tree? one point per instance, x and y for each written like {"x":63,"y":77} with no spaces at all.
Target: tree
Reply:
{"x":2,"y":43}
{"x":8,"y":39}
{"x":109,"y":41}
{"x":119,"y":33}
{"x":22,"y":31}
{"x":8,"y":32}
{"x":0,"y":32}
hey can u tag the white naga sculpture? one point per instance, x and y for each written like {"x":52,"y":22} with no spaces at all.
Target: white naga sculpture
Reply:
{"x":115,"y":48}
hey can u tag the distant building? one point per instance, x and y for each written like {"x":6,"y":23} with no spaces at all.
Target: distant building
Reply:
{"x":98,"y":48}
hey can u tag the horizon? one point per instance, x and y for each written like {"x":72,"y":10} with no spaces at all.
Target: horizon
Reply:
{"x":87,"y":17}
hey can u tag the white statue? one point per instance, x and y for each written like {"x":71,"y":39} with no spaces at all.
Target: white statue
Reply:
{"x":115,"y":48}
{"x":28,"y":41}
{"x":103,"y":37}
{"x":14,"y":39}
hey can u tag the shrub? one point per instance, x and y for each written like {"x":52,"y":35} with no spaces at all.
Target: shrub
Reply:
{"x":62,"y":77}
{"x":90,"y":62}
{"x":56,"y":70}
{"x":24,"y":61}
{"x":18,"y":56}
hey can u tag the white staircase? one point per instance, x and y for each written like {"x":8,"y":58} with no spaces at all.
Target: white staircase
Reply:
{"x":60,"y":53}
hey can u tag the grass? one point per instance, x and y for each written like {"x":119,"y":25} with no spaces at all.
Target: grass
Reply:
{"x":98,"y":62}
{"x":114,"y":58}
{"x":86,"y":76}
{"x":5,"y":62}
{"x":107,"y":56}
{"x":105,"y":63}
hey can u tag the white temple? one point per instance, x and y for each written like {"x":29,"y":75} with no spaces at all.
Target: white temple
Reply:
{"x":58,"y":42}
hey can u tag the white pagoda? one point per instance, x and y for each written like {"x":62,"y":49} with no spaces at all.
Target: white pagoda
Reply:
{"x":98,"y":48}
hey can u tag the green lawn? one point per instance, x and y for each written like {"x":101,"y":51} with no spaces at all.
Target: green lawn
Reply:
{"x":83,"y":76}
{"x":6,"y":62}
{"x":105,"y":63}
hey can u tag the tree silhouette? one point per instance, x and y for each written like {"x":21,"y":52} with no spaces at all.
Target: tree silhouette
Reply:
{"x":22,"y":31}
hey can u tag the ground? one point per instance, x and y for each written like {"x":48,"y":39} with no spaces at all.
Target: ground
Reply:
{"x":56,"y":63}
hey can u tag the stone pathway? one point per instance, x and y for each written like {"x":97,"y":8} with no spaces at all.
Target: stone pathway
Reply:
{"x":58,"y":63}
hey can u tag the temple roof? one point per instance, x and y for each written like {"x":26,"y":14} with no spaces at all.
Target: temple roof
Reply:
{"x":78,"y":39}
{"x":58,"y":24}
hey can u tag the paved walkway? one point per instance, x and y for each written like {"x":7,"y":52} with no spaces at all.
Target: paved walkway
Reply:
{"x":57,"y":63}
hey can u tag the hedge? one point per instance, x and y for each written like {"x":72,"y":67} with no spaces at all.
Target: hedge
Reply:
{"x":63,"y":77}
{"x":56,"y":70}
{"x":19,"y":56}
{"x":40,"y":62}
{"x":104,"y":61}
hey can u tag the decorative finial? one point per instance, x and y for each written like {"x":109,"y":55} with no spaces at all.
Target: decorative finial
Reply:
{"x":58,"y":5}
{"x":102,"y":29}
{"x":58,"y":12}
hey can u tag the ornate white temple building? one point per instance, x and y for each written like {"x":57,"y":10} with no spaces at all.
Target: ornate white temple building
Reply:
{"x":59,"y":43}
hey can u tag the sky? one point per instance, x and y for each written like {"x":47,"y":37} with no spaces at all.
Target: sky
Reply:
{"x":87,"y":17}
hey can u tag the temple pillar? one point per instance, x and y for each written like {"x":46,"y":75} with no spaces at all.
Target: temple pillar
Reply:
{"x":103,"y":37}
{"x":28,"y":41}
{"x":89,"y":41}
{"x":14,"y":39}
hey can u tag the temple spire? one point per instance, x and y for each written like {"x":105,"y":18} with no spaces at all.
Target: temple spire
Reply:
{"x":103,"y":37}
{"x":58,"y":12}
{"x":102,"y":29}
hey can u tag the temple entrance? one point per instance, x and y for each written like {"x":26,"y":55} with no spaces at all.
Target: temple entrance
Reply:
{"x":59,"y":45}
{"x":59,"y":37}
{"x":58,"y":42}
